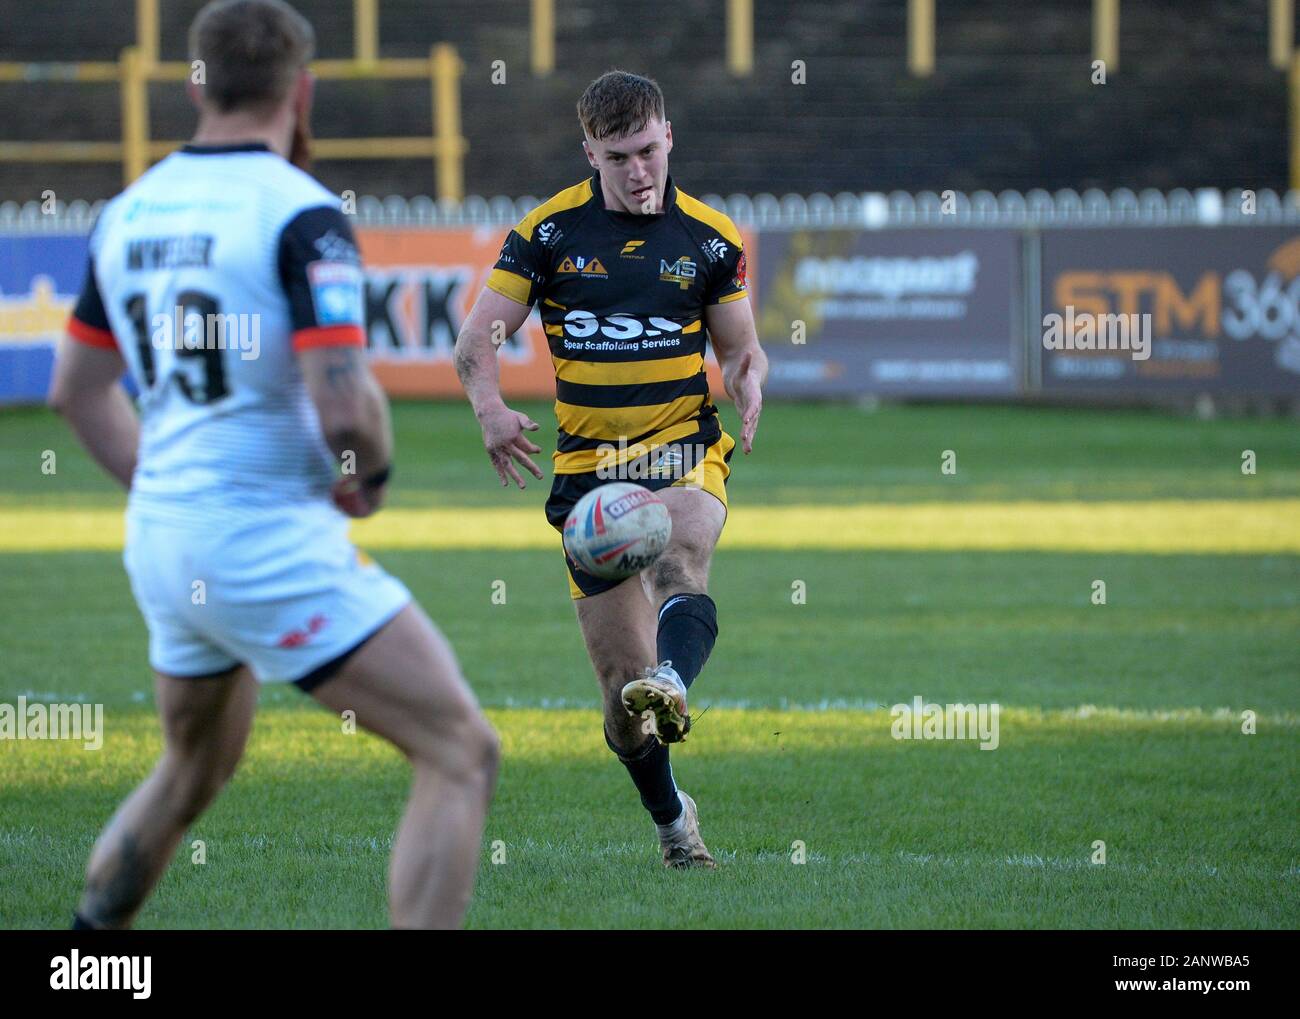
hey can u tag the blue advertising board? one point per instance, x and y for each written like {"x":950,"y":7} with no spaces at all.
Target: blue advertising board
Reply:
{"x":40,"y":278}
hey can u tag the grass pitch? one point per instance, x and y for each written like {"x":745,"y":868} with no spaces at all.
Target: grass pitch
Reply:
{"x":854,"y":575}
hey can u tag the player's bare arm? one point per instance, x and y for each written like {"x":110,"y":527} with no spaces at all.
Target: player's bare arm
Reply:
{"x":354,"y":421}
{"x":85,"y":391}
{"x":744,"y":365}
{"x":493,"y":318}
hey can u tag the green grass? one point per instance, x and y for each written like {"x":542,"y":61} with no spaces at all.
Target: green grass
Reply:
{"x":833,"y":452}
{"x":908,"y":834}
{"x":1199,"y":820}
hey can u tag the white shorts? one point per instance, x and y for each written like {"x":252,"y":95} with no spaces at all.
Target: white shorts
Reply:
{"x":281,"y":590}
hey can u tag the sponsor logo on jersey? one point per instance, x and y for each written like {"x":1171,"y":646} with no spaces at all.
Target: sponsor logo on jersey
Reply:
{"x":715,"y":249}
{"x":741,"y":280}
{"x":633,"y":331}
{"x":334,"y":247}
{"x":548,"y":233}
{"x":587,"y":268}
{"x":629,"y":250}
{"x":144,"y":207}
{"x":336,"y":293}
{"x":681,"y":272}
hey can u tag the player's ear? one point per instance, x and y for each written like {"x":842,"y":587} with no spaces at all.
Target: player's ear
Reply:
{"x":195,"y":92}
{"x":668,"y":136}
{"x":591,"y":156}
{"x":304,"y":91}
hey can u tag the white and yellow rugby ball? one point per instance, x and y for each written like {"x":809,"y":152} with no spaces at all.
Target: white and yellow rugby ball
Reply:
{"x":617,"y":530}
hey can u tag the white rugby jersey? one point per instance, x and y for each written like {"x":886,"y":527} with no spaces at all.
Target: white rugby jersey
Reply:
{"x":207,"y":274}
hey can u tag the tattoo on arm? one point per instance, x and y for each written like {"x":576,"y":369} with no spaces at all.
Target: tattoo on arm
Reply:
{"x":341,"y":369}
{"x":465,"y":369}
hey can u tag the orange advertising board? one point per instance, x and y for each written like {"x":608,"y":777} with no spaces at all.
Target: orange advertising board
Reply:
{"x":420,"y":286}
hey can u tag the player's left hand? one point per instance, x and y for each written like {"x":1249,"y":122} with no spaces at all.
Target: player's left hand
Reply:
{"x":749,"y":400}
{"x":355,"y":498}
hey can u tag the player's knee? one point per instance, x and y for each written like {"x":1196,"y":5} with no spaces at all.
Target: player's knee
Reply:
{"x":481,"y":752}
{"x":465,"y":750}
{"x":478,"y":754}
{"x":190,"y":786}
{"x":679,"y":569}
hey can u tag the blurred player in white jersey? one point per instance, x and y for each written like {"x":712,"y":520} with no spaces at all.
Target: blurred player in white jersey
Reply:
{"x":227,"y":281}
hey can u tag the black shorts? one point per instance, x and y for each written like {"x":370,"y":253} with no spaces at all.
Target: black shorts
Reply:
{"x":707,"y":469}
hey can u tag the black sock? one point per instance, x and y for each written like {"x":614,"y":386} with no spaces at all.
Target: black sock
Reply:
{"x":653,"y":779}
{"x":79,"y":923}
{"x":688,"y":626}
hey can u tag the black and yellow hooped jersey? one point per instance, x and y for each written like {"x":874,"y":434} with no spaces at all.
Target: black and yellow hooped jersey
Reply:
{"x":622,"y":300}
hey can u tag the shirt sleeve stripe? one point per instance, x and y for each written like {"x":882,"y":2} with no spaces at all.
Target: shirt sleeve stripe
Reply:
{"x":90,"y":335}
{"x":511,"y":285}
{"x":329,"y":336}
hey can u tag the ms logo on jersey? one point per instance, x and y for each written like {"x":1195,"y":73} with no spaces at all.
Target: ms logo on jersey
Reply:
{"x":681,"y":272}
{"x":336,"y":293}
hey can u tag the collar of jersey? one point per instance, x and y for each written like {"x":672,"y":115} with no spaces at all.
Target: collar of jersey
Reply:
{"x":634,"y":220}
{"x":190,"y":149}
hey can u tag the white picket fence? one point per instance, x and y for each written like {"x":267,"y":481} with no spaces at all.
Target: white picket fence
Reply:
{"x":868,"y":210}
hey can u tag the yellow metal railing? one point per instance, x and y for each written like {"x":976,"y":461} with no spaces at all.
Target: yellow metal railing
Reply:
{"x":740,"y":37}
{"x":139,"y":65}
{"x":920,"y":37}
{"x":542,"y":23}
{"x":365,"y":31}
{"x":1281,"y":32}
{"x":1105,"y":33}
{"x":135,"y":114}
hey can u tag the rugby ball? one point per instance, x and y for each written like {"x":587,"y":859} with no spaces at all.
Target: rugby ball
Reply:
{"x":617,"y":530}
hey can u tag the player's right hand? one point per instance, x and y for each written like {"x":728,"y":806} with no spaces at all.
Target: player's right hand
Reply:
{"x":504,"y":439}
{"x":353,"y":497}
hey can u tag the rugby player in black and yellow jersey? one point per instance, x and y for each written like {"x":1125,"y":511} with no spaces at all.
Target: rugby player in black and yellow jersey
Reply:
{"x":632,"y":278}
